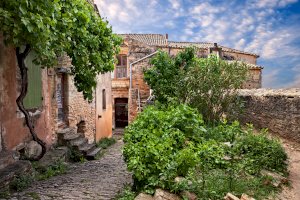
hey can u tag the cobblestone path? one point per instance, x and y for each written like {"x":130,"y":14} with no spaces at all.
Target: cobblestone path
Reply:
{"x":100,"y":179}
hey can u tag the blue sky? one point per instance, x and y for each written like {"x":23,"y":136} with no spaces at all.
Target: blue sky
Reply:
{"x":270,"y":28}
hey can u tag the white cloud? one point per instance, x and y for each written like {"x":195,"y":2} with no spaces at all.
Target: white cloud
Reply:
{"x":270,"y":78}
{"x":272,"y":3}
{"x":254,"y":25}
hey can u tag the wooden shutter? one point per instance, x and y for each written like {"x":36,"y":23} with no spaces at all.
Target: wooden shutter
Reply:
{"x":33,"y":98}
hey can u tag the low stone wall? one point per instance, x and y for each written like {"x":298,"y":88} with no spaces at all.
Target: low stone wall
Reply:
{"x":277,"y":110}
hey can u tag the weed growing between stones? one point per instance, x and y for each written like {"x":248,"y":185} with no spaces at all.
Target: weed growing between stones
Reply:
{"x":75,"y":155}
{"x":21,"y":182}
{"x":55,"y":169}
{"x":33,"y":195}
{"x":4,"y":194}
{"x":126,"y":194}
{"x":106,"y":142}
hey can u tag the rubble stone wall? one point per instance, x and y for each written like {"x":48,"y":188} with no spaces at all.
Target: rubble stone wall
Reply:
{"x":277,"y":110}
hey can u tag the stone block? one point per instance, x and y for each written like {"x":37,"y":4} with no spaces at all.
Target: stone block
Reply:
{"x":33,"y":150}
{"x":143,"y":196}
{"x":165,"y":195}
{"x":230,"y":196}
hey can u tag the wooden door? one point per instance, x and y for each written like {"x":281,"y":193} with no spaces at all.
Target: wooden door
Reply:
{"x":121,"y":112}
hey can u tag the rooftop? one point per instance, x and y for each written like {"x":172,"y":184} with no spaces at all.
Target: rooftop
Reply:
{"x":161,"y":40}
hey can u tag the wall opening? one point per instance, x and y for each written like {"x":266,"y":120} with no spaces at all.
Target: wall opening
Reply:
{"x":121,"y":112}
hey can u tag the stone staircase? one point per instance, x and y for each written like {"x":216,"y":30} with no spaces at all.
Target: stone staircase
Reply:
{"x":146,"y":101}
{"x":71,"y":138}
{"x":11,"y":167}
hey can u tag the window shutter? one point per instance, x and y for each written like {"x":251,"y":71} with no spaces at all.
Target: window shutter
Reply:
{"x":33,"y":98}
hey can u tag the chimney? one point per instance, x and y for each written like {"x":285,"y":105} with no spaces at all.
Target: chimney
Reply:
{"x":216,"y":45}
{"x":167,"y":36}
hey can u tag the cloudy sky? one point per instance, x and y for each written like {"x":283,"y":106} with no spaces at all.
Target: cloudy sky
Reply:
{"x":270,"y":28}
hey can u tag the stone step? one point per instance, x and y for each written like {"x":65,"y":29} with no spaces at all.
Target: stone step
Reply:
{"x":79,"y":141}
{"x":91,"y":155}
{"x":7,"y":158}
{"x":53,"y":156}
{"x":72,"y":136}
{"x":64,"y":131}
{"x":86,"y":147}
{"x":17,"y":168}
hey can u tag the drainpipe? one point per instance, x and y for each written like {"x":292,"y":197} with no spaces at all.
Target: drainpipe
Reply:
{"x":130,"y":74}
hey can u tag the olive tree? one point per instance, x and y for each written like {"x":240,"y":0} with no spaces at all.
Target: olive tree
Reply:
{"x":207,"y":84}
{"x":52,"y":28}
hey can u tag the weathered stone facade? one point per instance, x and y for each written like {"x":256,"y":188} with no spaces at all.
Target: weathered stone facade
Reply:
{"x":137,"y":48}
{"x":62,"y":105}
{"x":277,"y":110}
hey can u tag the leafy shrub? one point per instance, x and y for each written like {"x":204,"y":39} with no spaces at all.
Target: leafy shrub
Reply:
{"x":167,"y":142}
{"x":260,"y":152}
{"x":126,"y":194}
{"x":207,"y":84}
{"x":162,"y":144}
{"x":55,"y":169}
{"x":21,"y":182}
{"x":106,"y":142}
{"x":75,"y":155}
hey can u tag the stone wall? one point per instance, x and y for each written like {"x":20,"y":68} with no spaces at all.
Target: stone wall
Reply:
{"x":81,"y":110}
{"x":75,"y":107}
{"x":277,"y":110}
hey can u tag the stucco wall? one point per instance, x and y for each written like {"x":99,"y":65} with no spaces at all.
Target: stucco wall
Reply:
{"x":103,"y":116}
{"x":12,"y":127}
{"x":277,"y":110}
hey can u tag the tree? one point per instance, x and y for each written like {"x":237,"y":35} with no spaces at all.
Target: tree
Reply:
{"x":52,"y":28}
{"x":207,"y":84}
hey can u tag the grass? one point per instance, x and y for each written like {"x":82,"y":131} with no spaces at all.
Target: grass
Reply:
{"x":53,"y":170}
{"x":33,"y":195}
{"x":217,"y":185}
{"x":126,"y":194}
{"x":21,"y":182}
{"x":104,"y":143}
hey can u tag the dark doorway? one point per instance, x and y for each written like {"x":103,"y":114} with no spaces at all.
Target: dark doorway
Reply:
{"x":121,"y":112}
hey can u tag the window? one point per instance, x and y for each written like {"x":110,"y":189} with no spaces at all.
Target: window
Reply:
{"x":103,"y":99}
{"x":33,"y":98}
{"x":121,"y":68}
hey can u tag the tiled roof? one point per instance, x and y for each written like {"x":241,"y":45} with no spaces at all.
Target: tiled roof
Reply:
{"x":149,"y":39}
{"x":205,"y":45}
{"x":160,"y":40}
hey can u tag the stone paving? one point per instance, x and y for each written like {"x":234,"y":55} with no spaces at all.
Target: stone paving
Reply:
{"x":99,"y":179}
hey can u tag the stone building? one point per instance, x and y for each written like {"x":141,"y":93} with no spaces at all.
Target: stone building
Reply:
{"x":130,"y":92}
{"x":53,"y":102}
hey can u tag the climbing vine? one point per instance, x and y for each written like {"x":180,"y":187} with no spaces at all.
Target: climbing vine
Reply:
{"x":52,"y":28}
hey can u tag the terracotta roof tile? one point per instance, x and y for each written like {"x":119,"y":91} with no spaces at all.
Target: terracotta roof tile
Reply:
{"x":149,"y":39}
{"x":205,"y":45}
{"x":160,"y":40}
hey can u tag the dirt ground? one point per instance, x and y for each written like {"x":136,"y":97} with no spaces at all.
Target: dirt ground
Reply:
{"x":292,"y":192}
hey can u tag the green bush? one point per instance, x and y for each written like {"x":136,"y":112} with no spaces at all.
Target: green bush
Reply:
{"x":163,"y":144}
{"x":55,"y":169}
{"x":166,"y":142}
{"x":106,"y":142}
{"x":21,"y":182}
{"x":207,"y":84}
{"x":260,"y":152}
